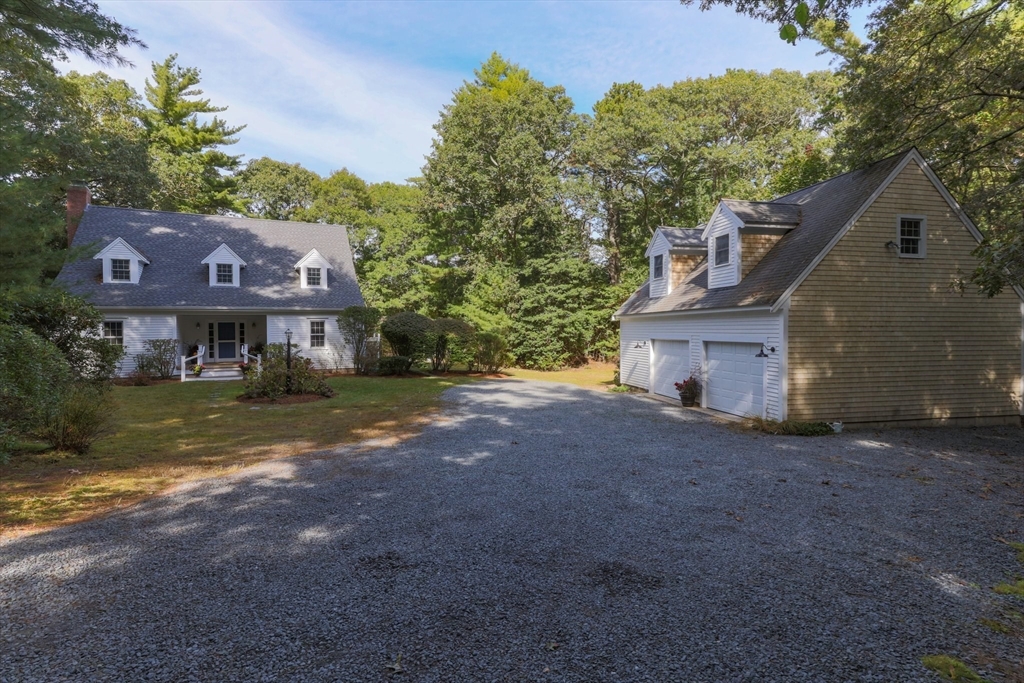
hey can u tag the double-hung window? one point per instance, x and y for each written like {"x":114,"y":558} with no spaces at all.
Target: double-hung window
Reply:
{"x":317,"y":334}
{"x":912,"y":236}
{"x":722,"y":250}
{"x":312,"y":277}
{"x":659,"y":266}
{"x":120,"y":270}
{"x":113,"y":332}
{"x":225,"y":274}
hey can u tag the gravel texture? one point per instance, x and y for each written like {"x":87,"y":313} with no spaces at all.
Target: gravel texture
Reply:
{"x":541,"y":532}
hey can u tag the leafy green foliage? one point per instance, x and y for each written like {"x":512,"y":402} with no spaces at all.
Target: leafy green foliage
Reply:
{"x":791,"y":427}
{"x":186,"y":154}
{"x":491,"y":351}
{"x":276,"y":190}
{"x":394,"y":365}
{"x":273,"y":382}
{"x":159,"y":359}
{"x":33,"y":374}
{"x":68,"y":322}
{"x":83,"y":414}
{"x":409,"y":334}
{"x":357,"y":325}
{"x":60,"y":26}
{"x":454,"y":343}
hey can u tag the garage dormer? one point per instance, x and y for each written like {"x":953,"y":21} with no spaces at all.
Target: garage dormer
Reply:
{"x":225,"y":267}
{"x":740,"y":233}
{"x":313,"y":269}
{"x":122,"y":263}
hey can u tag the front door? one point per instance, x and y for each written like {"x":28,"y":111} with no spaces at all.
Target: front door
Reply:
{"x":227,"y":341}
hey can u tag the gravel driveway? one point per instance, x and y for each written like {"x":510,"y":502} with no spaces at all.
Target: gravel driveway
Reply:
{"x":542,"y":532}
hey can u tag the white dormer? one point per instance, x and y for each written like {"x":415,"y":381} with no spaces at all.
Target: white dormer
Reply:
{"x":722,"y":237}
{"x":313,"y":269}
{"x":122,"y":263}
{"x":658,"y":264}
{"x":224,"y":267}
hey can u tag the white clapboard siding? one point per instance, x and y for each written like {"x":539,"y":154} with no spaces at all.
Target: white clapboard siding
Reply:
{"x":336,"y":355}
{"x":138,"y":329}
{"x":754,"y":327}
{"x":659,"y":247}
{"x":728,"y":275}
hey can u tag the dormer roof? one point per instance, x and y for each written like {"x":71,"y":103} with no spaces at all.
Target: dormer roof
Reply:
{"x":765,"y":213}
{"x":120,"y":243}
{"x":315,"y":259}
{"x":224,"y":254}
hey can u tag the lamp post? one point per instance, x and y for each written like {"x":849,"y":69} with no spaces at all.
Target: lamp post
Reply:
{"x":288,"y":360}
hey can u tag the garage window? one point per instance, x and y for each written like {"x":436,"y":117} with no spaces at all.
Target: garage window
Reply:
{"x":722,"y":250}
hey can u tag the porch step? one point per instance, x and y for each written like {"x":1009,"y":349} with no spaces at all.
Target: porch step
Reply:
{"x":211,"y":374}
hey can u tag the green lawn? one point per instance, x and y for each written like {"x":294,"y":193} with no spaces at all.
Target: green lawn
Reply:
{"x":592,"y":376}
{"x":169,"y":433}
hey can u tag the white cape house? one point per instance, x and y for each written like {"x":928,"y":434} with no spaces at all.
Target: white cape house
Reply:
{"x":832,"y":303}
{"x":217,"y":282}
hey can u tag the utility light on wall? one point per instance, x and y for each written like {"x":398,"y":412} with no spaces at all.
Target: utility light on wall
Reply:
{"x":198,"y":325}
{"x":640,"y":345}
{"x":891,"y":245}
{"x":762,"y":354}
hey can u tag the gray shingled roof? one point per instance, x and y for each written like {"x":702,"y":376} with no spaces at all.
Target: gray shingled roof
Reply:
{"x":825,"y":207}
{"x":176,"y":243}
{"x":764,"y":213}
{"x":683,"y":237}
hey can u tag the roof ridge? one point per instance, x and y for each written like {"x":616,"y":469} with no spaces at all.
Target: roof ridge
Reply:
{"x":216,"y":215}
{"x":837,"y":177}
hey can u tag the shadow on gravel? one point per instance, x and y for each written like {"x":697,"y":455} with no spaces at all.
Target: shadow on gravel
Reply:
{"x":540,"y":532}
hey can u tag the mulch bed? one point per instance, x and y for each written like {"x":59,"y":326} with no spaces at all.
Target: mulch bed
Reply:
{"x":294,"y":398}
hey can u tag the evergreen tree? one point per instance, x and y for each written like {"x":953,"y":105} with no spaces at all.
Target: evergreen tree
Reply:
{"x":194,"y":173}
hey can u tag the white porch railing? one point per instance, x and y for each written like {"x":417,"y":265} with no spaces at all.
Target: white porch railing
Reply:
{"x":258,"y":358}
{"x":197,"y":358}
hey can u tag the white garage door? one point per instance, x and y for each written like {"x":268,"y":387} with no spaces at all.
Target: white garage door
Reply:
{"x":735,"y":378}
{"x":671,"y":364}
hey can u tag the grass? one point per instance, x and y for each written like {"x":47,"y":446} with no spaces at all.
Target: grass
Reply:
{"x":952,"y":669}
{"x":790,"y":427}
{"x":169,"y":433}
{"x":592,"y":376}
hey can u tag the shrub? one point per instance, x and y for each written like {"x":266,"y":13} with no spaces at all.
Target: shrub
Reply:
{"x":454,"y":342}
{"x":491,"y":351}
{"x":394,"y":365}
{"x":358,"y":324}
{"x":272,"y":381}
{"x":160,"y":359}
{"x":140,"y":376}
{"x":70,"y":323}
{"x":33,"y":374}
{"x":791,"y":427}
{"x":409,"y":334}
{"x":78,"y":419}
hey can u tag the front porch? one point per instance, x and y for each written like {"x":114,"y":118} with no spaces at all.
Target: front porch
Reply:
{"x":217,"y":342}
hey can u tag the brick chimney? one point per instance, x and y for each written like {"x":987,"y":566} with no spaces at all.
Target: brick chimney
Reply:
{"x":78,"y":199}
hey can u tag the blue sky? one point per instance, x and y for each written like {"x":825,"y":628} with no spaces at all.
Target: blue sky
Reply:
{"x":360,"y":84}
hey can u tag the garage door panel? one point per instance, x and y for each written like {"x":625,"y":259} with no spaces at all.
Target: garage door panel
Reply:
{"x":670,"y":364}
{"x":735,"y":381}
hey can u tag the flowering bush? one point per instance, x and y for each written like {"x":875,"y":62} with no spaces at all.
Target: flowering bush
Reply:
{"x":197,"y":369}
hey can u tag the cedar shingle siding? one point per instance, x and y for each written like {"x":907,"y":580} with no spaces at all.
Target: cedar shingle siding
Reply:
{"x":878,"y":338}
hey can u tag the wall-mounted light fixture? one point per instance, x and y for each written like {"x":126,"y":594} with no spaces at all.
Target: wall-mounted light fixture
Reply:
{"x":762,"y":354}
{"x":891,"y":245}
{"x":640,"y":345}
{"x":198,"y":325}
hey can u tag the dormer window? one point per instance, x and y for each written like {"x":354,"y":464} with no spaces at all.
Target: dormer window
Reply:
{"x":121,"y":270}
{"x":659,"y":266}
{"x":313,"y":269}
{"x":122,"y":263}
{"x":224,"y":267}
{"x":722,"y":250}
{"x":225,"y":274}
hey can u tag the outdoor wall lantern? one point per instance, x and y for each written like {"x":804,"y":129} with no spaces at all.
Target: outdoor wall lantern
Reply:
{"x":762,"y":354}
{"x":891,"y":245}
{"x":198,"y":325}
{"x":640,"y":345}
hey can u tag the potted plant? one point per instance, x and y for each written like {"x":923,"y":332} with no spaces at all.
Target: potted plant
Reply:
{"x":689,"y":390}
{"x":243,"y":366}
{"x":197,"y":369}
